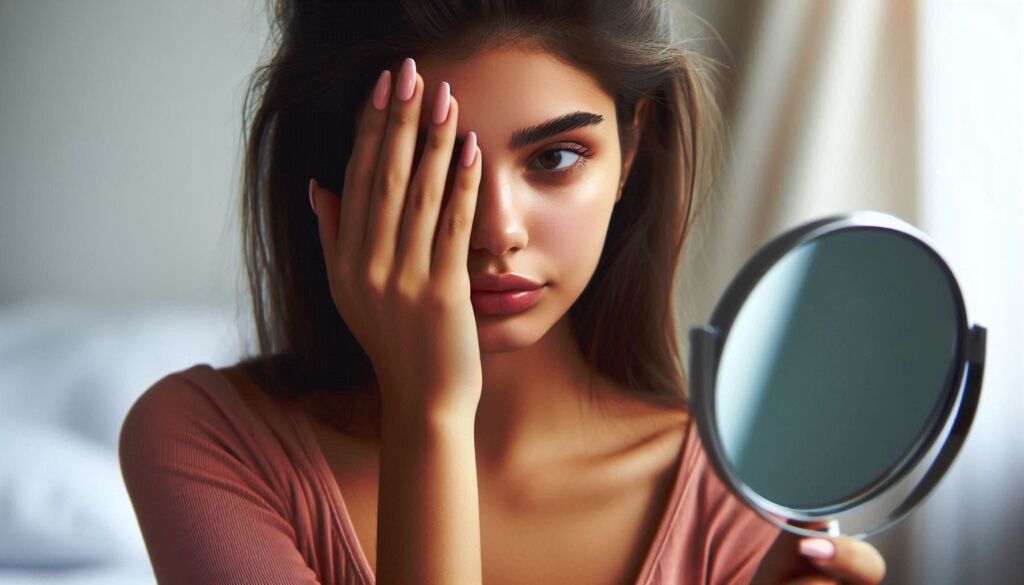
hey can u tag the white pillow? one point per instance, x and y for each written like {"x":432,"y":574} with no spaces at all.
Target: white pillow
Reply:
{"x":62,"y":500}
{"x":82,"y":367}
{"x":68,"y":375}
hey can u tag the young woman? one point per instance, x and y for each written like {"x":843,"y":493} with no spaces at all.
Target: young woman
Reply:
{"x":468,"y":370}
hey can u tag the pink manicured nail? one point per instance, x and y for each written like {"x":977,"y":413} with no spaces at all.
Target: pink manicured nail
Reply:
{"x":469,"y":150}
{"x":382,"y":91}
{"x":313,"y":186}
{"x":406,"y":80}
{"x":442,"y":102}
{"x":817,"y":548}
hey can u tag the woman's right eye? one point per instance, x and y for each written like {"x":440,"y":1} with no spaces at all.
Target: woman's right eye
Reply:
{"x":553,"y":159}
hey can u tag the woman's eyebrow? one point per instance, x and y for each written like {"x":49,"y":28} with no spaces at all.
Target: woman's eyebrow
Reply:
{"x":531,"y":134}
{"x":552,"y":127}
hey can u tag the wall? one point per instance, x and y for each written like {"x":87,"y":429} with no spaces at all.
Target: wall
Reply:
{"x":119,"y":145}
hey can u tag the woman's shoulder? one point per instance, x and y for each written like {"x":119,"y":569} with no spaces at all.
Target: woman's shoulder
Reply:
{"x":198,"y":403}
{"x":183,"y":395}
{"x":222,"y":491}
{"x":202,"y":422}
{"x":170,"y":397}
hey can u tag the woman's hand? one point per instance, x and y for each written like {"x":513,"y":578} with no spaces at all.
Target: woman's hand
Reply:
{"x":805,"y":561}
{"x":402,"y":290}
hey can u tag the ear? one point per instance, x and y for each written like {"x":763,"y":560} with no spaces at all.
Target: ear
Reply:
{"x":640,"y":110}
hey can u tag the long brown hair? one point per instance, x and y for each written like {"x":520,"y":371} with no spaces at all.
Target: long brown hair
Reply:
{"x":299,"y":117}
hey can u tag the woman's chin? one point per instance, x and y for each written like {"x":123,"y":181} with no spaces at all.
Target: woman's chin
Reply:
{"x":503,"y":337}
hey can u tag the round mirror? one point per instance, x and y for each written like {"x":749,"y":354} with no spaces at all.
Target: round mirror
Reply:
{"x":837,"y":378}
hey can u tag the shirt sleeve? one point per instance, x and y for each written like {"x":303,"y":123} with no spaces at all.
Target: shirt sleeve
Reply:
{"x":206,"y":513}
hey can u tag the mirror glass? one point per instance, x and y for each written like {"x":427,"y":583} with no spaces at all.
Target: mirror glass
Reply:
{"x":838,"y":378}
{"x":836,"y":368}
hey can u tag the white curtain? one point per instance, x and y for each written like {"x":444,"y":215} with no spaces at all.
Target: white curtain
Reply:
{"x":913,"y":109}
{"x":972,"y":203}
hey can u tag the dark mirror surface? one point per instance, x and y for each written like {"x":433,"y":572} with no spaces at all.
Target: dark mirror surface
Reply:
{"x":836,"y":367}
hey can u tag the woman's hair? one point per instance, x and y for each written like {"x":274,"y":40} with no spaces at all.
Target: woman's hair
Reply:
{"x":299,"y":116}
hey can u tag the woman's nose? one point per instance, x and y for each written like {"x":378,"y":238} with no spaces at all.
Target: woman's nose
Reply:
{"x":498,"y":221}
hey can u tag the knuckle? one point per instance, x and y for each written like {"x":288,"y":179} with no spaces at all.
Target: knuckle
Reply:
{"x":376,"y":281}
{"x":421,"y":198}
{"x":467,"y":180}
{"x":375,"y":122}
{"x":391,"y":181}
{"x":437,"y":142}
{"x":455,"y":223}
{"x":403,"y":117}
{"x":405,"y":290}
{"x":370,"y":121}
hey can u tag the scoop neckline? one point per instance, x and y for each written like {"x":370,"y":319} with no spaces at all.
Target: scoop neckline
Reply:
{"x":354,"y":547}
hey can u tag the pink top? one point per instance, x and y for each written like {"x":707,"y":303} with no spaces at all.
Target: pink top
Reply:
{"x":225,"y":493}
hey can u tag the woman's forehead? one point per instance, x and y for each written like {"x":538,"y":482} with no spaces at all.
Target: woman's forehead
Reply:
{"x":503,"y":89}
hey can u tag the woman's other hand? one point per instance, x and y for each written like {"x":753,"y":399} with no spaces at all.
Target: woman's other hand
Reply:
{"x":818,"y":561}
{"x":397,"y":273}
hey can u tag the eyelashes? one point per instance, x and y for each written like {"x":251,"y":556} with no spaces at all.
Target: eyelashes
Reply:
{"x":581,"y":152}
{"x":580,"y":155}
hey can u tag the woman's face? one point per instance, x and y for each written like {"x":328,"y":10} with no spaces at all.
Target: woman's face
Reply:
{"x":547,"y":190}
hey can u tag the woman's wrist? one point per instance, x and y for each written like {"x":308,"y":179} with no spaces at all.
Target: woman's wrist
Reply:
{"x":422,"y":417}
{"x":428,"y":507}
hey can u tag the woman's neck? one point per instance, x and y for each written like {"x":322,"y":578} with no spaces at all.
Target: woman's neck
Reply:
{"x":535,"y":404}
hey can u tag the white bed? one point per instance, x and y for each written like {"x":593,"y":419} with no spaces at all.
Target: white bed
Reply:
{"x":68,"y":375}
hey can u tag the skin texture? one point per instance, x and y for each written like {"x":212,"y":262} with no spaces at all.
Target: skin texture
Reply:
{"x":532,"y":413}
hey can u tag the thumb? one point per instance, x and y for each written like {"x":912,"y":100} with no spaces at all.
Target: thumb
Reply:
{"x":848,"y":559}
{"x":325,"y":205}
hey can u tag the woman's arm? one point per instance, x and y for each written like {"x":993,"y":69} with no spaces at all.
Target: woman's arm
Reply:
{"x":396,"y":260}
{"x":428,"y":526}
{"x":200,"y":491}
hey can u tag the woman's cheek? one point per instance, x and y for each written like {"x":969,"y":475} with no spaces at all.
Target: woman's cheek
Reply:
{"x":572,"y":233}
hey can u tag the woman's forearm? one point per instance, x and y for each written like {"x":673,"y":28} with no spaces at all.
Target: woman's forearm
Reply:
{"x":428,"y":513}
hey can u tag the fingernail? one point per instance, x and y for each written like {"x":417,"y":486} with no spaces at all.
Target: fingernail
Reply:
{"x":313,"y":186}
{"x":817,"y":548}
{"x":382,"y":90}
{"x":406,"y":80}
{"x":441,"y":104}
{"x":469,"y":150}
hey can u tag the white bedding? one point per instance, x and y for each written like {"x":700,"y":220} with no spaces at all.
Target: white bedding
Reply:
{"x":68,"y":375}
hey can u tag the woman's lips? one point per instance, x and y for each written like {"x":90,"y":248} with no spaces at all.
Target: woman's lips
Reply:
{"x":504,"y":302}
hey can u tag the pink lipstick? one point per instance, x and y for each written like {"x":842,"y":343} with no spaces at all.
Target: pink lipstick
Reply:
{"x":503,"y":294}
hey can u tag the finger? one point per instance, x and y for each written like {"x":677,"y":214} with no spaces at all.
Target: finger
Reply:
{"x":419,"y":224}
{"x":359,"y":172}
{"x":452,"y":246}
{"x":849,"y":559}
{"x":394,"y":164}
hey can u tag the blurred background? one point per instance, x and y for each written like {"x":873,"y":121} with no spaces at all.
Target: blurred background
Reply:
{"x":120,"y":149}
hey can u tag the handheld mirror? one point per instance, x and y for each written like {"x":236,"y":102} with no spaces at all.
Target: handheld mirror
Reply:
{"x":838,"y":377}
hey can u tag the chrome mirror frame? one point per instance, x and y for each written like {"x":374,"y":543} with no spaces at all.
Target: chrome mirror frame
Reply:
{"x":906,"y":485}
